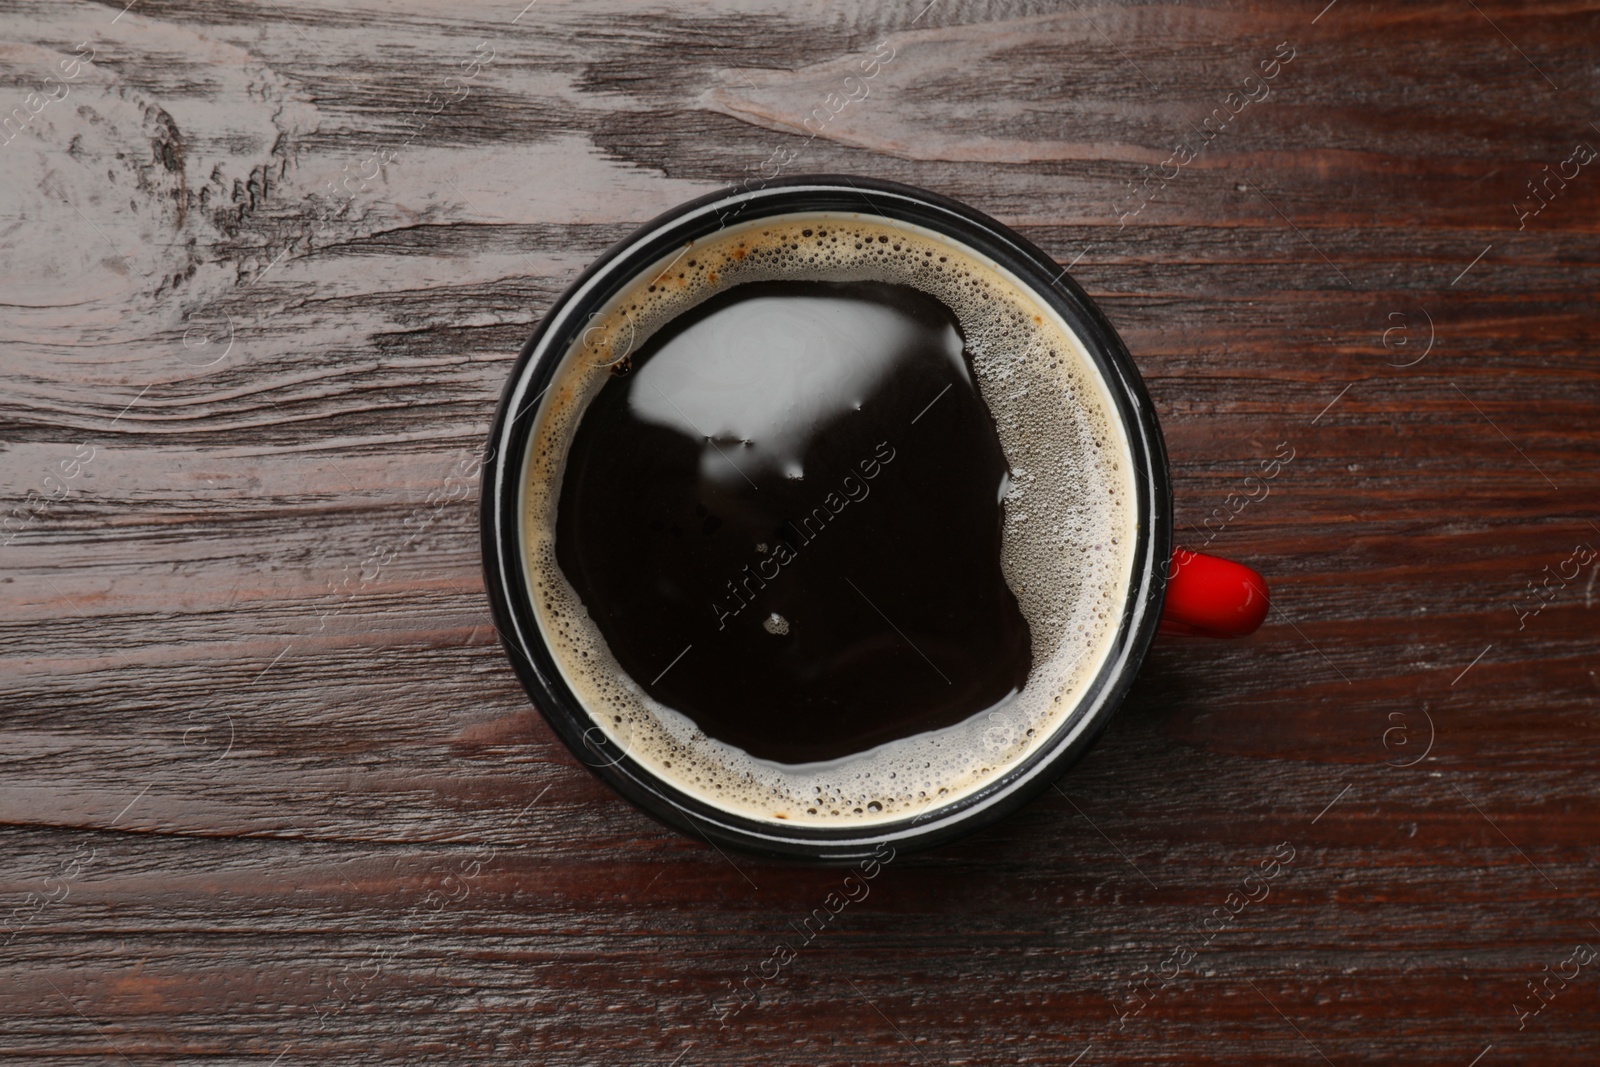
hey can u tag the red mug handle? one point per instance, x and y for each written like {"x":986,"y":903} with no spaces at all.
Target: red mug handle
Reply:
{"x":1212,"y":597}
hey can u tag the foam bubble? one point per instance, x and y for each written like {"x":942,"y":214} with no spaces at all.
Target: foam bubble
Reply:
{"x":1067,"y":543}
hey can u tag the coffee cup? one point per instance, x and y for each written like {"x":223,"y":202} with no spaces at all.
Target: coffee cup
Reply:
{"x":833,"y":513}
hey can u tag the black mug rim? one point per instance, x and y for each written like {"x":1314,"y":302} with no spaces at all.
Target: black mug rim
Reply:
{"x":503,"y":559}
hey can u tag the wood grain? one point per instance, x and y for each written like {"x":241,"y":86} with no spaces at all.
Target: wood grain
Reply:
{"x":271,"y":794}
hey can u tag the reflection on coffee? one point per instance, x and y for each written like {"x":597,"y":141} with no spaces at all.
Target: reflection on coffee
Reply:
{"x":784,"y":514}
{"x":828,"y":520}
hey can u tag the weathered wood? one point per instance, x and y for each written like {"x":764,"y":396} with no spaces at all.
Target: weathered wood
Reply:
{"x":270,"y":789}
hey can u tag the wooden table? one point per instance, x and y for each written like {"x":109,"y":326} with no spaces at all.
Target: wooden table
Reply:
{"x":271,"y":793}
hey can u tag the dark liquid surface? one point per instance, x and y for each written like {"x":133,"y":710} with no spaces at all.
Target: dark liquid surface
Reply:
{"x":785,"y":520}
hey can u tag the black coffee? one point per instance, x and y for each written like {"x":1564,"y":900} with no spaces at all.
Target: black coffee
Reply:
{"x":784,"y":514}
{"x":763,"y":529}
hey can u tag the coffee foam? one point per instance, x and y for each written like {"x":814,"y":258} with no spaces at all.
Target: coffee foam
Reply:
{"x":1067,"y":544}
